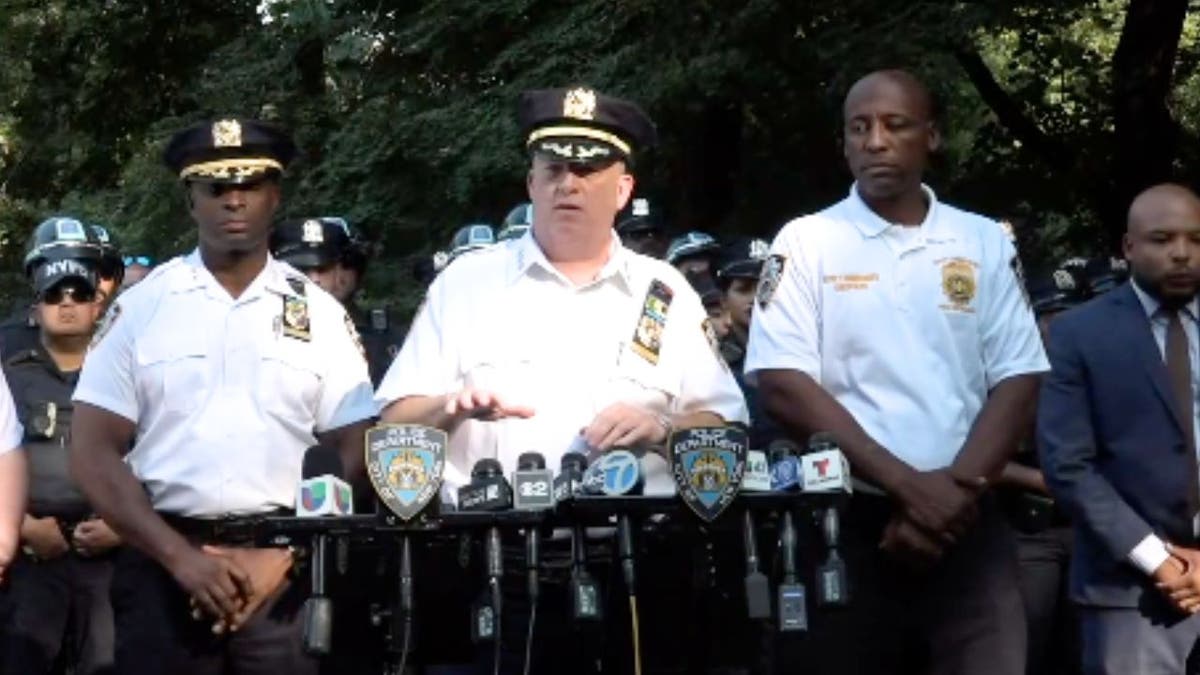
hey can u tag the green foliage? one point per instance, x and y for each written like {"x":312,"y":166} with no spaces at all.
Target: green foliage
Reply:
{"x":404,"y":111}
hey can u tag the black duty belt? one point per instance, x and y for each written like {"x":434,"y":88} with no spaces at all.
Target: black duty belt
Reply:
{"x":232,"y":529}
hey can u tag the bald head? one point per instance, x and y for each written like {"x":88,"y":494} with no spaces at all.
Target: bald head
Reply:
{"x":1162,"y":243}
{"x":900,"y":85}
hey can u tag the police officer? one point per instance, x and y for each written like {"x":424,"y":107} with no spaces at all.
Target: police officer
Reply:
{"x":575,"y":342}
{"x":136,"y":269}
{"x":56,"y":238}
{"x":694,"y":252}
{"x":1043,"y":529}
{"x":896,"y":322}
{"x":110,"y":268}
{"x":198,"y":400}
{"x":641,"y":229}
{"x":739,"y":266}
{"x":57,"y":607}
{"x":326,"y":251}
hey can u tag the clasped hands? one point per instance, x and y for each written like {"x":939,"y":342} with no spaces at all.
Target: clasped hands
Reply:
{"x":228,"y":585}
{"x":936,"y":508}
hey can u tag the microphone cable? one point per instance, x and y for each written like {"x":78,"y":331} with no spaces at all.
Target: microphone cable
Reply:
{"x":406,"y":599}
{"x":496,"y":593}
{"x":625,"y":550}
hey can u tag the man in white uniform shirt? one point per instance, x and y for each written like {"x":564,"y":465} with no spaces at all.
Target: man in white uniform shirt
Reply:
{"x":563,"y":339}
{"x":198,"y":401}
{"x":898,"y":324}
{"x":14,"y":478}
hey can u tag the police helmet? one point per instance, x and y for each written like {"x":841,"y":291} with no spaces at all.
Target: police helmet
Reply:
{"x":691,"y":244}
{"x":306,"y":243}
{"x":517,"y":222}
{"x":471,"y":238}
{"x":638,"y":216}
{"x":61,"y":238}
{"x":111,"y":264}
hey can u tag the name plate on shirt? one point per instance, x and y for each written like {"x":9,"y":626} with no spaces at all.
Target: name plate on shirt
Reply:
{"x":708,"y":464}
{"x":405,"y":463}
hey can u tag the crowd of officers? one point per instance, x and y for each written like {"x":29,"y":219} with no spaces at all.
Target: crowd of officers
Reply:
{"x":152,"y":400}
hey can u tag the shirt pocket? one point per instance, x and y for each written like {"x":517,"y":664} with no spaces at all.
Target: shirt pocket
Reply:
{"x":291,"y":380}
{"x":638,"y":382}
{"x":173,"y":370}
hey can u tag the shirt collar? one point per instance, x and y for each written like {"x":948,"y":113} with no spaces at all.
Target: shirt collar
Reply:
{"x":195,"y":276}
{"x":528,"y":254}
{"x":1151,"y":305}
{"x":870,"y":224}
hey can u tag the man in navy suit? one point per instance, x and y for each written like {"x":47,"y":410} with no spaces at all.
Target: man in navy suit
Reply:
{"x":1117,"y":433}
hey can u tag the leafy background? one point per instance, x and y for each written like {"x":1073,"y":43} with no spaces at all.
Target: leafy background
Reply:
{"x":1056,"y":113}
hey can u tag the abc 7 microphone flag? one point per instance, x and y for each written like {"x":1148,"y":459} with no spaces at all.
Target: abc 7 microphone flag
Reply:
{"x":708,"y":464}
{"x":405,"y":463}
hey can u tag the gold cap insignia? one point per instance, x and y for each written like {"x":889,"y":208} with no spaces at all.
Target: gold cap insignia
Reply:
{"x":227,"y":134}
{"x":580,"y":104}
{"x":313,"y":232}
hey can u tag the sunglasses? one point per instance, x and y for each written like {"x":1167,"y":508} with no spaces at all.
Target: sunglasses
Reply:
{"x":144,"y":261}
{"x":57,"y":294}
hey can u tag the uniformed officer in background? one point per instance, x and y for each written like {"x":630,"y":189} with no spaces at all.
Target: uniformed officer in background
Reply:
{"x":326,"y":251}
{"x":1043,"y":528}
{"x":641,"y":229}
{"x":136,"y":269}
{"x":57,"y":609}
{"x":198,"y":400}
{"x":56,"y":238}
{"x":516,"y":223}
{"x":110,"y":268}
{"x":572,"y":343}
{"x":694,"y":252}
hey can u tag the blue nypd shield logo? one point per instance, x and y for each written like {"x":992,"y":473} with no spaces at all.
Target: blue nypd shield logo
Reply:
{"x":405,"y":463}
{"x":708,"y":464}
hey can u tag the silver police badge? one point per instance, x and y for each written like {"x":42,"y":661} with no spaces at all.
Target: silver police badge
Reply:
{"x":708,"y":464}
{"x":405,"y":463}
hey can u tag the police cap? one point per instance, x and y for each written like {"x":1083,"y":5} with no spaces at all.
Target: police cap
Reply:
{"x":690,"y":244}
{"x":61,"y":238}
{"x":638,"y":217}
{"x":581,"y":126}
{"x":1058,"y":290}
{"x":310,"y":242}
{"x":229,"y":150}
{"x":742,"y":258}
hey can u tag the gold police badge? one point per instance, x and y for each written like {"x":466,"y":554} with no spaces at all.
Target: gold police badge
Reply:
{"x":958,"y":282}
{"x":227,"y":134}
{"x":579,"y":104}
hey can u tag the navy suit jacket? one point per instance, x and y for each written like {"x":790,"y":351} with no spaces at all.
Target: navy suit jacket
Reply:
{"x":1112,"y":445}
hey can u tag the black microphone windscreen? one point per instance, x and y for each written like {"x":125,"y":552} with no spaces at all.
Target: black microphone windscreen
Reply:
{"x":782,"y":447}
{"x":822,"y":440}
{"x":487,"y":467}
{"x":321,"y":461}
{"x":573,"y":460}
{"x":531,"y":461}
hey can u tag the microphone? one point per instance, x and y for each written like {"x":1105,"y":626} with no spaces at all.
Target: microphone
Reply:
{"x":569,"y":481}
{"x":758,"y":588}
{"x":617,"y":473}
{"x":585,"y":592}
{"x":533,"y":483}
{"x":785,"y":466}
{"x":793,"y":609}
{"x":322,"y":491}
{"x":757,"y":477}
{"x":833,"y":587}
{"x":824,"y":468}
{"x":487,"y":491}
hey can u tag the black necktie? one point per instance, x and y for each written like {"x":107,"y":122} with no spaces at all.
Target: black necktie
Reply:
{"x":1179,"y":368}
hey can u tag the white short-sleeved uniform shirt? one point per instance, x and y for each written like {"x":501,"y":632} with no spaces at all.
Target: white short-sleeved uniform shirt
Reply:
{"x":226,"y":393}
{"x":505,"y":320}
{"x":11,"y":432}
{"x":908,"y":328}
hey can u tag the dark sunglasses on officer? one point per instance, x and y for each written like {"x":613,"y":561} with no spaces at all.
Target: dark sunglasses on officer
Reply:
{"x":77,"y":292}
{"x":140,"y":260}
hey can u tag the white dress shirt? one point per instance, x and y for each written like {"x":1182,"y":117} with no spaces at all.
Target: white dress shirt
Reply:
{"x":11,"y":431}
{"x":505,"y":320}
{"x":225,"y":402}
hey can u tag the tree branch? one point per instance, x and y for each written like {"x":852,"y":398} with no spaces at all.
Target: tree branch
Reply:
{"x":1009,"y":112}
